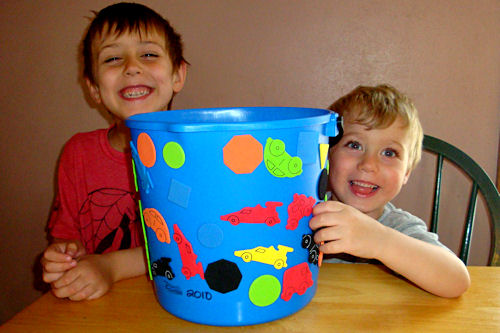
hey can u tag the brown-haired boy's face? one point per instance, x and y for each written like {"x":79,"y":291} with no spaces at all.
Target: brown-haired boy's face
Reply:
{"x":368,"y":167}
{"x":133,"y":73}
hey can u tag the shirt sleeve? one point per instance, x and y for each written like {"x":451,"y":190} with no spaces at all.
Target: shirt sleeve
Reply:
{"x":63,"y":220}
{"x":410,"y":225}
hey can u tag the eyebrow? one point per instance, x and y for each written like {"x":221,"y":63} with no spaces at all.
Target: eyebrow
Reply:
{"x":113,"y":45}
{"x":359,"y":136}
{"x":349,"y":134}
{"x":399,"y":145}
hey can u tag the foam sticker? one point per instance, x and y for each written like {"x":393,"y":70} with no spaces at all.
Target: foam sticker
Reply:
{"x":305,"y":142}
{"x":242,"y":154}
{"x":323,"y":185}
{"x":155,"y":221}
{"x":320,"y":257}
{"x":323,"y":153}
{"x":210,"y":235}
{"x":266,"y":255}
{"x":161,"y":267}
{"x":174,"y":155}
{"x":146,"y":149}
{"x":300,"y":207}
{"x":278,"y":162}
{"x":141,"y":173}
{"x":257,"y":214}
{"x":223,"y":276}
{"x":179,"y":193}
{"x":296,"y":279}
{"x":136,"y":184}
{"x":189,"y":266}
{"x":264,"y":290}
{"x":145,"y":240}
{"x":312,"y":248}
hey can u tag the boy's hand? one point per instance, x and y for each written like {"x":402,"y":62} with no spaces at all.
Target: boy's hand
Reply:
{"x":344,"y":229}
{"x":60,"y":257}
{"x":91,"y":278}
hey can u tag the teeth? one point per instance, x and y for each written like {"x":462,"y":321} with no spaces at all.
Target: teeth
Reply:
{"x":135,"y":93}
{"x":353,"y":182}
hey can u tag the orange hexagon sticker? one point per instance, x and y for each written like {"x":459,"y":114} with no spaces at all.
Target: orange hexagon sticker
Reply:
{"x":243,"y":154}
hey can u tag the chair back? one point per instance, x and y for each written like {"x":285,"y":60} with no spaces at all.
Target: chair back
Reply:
{"x":481,"y":182}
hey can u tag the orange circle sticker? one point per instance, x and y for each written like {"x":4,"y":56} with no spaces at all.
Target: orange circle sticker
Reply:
{"x":146,"y":150}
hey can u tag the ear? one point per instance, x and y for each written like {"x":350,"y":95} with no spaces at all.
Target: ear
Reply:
{"x":407,"y":176}
{"x":94,"y":91}
{"x":179,"y":77}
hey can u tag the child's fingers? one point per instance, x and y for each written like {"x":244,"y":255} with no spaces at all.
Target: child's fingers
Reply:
{"x":75,"y":250}
{"x":326,"y":234}
{"x":56,"y":256}
{"x":80,"y":253}
{"x":71,"y":249}
{"x":85,"y":293}
{"x":69,"y":277}
{"x":69,"y":291}
{"x":51,"y":277}
{"x":57,"y":252}
{"x":327,"y":206}
{"x":56,"y":262}
{"x":325,"y":219}
{"x":77,"y":286}
{"x":332,"y":247}
{"x":57,"y":267}
{"x":329,"y":240}
{"x":90,"y":292}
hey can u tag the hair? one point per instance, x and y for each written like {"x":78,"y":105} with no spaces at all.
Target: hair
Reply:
{"x":126,"y":18}
{"x":378,"y":108}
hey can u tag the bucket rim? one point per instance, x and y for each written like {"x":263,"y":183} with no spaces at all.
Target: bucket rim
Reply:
{"x":216,"y":119}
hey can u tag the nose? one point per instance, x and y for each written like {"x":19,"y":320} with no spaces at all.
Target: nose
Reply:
{"x":132,"y":67}
{"x":368,"y":163}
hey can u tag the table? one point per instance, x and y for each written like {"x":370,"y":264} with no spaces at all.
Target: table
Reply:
{"x":350,"y":297}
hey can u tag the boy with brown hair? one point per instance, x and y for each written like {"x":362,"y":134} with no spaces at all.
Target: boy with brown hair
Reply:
{"x":380,"y":146}
{"x":133,"y":63}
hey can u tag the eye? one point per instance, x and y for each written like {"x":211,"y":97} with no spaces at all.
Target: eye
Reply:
{"x":353,"y":145}
{"x":150,"y":55}
{"x":390,"y":153}
{"x":111,"y":59}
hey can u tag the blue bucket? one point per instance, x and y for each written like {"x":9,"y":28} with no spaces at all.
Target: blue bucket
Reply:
{"x":226,"y":198}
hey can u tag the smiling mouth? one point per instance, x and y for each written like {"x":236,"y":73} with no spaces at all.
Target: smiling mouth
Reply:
{"x":362,"y":187}
{"x":135,"y":92}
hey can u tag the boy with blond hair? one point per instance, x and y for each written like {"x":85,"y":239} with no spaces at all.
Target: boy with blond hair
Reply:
{"x":380,"y":146}
{"x":133,"y":63}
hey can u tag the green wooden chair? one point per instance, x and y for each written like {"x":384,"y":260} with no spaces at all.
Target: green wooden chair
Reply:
{"x":480,"y":183}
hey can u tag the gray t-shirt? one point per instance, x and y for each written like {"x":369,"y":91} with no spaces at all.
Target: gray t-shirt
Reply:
{"x":396,"y":219}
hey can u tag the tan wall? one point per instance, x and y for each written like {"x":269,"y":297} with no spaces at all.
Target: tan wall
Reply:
{"x":248,"y":53}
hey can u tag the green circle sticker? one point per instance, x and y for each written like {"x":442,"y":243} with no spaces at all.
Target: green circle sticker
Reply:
{"x":173,"y":154}
{"x":264,"y":290}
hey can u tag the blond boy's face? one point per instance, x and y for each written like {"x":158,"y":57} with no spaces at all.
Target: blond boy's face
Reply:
{"x":369,"y":167}
{"x":133,"y":74}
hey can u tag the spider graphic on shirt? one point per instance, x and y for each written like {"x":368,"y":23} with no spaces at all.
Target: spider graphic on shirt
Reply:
{"x":111,"y":220}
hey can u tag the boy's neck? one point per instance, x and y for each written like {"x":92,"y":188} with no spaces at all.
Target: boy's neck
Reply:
{"x":119,"y":137}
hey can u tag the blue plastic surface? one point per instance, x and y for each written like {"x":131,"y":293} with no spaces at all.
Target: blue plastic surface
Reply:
{"x":195,"y":197}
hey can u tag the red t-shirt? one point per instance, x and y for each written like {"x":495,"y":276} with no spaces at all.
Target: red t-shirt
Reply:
{"x":96,"y":201}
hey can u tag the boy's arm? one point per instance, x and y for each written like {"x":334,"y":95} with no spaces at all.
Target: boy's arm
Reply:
{"x":128,"y":263}
{"x":94,"y":275}
{"x":345,"y":229}
{"x":431,"y":267}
